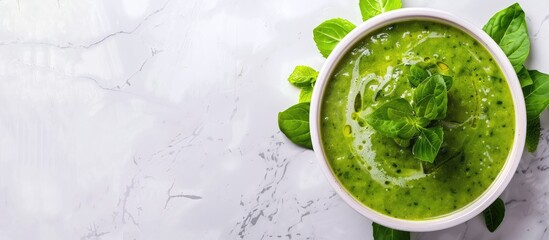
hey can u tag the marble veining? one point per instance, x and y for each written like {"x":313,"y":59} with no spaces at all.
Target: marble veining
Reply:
{"x":157,"y":120}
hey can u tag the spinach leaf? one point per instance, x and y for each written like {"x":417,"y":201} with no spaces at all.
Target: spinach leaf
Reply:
{"x":303,"y":76}
{"x":431,"y":98}
{"x":508,"y":28}
{"x":493,"y":215}
{"x":524,"y":77}
{"x":417,"y":75}
{"x":394,"y":119}
{"x":385,"y":233}
{"x":371,"y":8}
{"x":294,"y":123}
{"x":329,"y":33}
{"x":428,"y":143}
{"x":306,"y":94}
{"x":533,"y":130}
{"x":537,"y":94}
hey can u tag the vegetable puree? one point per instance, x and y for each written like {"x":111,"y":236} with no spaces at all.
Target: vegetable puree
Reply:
{"x":478,"y":128}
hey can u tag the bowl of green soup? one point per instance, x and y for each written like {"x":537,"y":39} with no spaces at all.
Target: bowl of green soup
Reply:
{"x":418,"y":120}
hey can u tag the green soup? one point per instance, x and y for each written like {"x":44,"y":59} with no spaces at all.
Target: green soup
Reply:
{"x":478,"y":131}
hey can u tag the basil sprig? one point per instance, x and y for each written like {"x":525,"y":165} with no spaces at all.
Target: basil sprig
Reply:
{"x":294,"y":121}
{"x":401,"y":120}
{"x":304,"y":77}
{"x":508,"y":28}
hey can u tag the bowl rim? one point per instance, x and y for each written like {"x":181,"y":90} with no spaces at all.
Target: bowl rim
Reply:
{"x":504,"y":177}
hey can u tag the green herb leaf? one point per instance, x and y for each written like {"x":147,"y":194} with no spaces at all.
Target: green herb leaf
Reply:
{"x":371,"y":8}
{"x":385,"y":233}
{"x":508,"y":28}
{"x":402,"y":142}
{"x":329,"y":33}
{"x":431,"y":98}
{"x":422,"y":122}
{"x":294,"y":123}
{"x":417,"y":75}
{"x":306,"y":94}
{"x":524,"y":77}
{"x":303,"y":76}
{"x":493,"y":215}
{"x":428,"y":143}
{"x":394,"y":119}
{"x":537,"y":94}
{"x":448,"y":81}
{"x":533,"y":131}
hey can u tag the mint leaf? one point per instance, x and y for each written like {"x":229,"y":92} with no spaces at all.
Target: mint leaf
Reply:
{"x":329,"y":33}
{"x":303,"y":76}
{"x":294,"y":123}
{"x":306,"y":94}
{"x":394,"y":119}
{"x":536,"y":95}
{"x":508,"y":28}
{"x":428,"y":143}
{"x":385,"y":233}
{"x":431,"y":98}
{"x":524,"y":77}
{"x":417,"y":75}
{"x":533,"y":131}
{"x":371,"y":8}
{"x":493,"y":215}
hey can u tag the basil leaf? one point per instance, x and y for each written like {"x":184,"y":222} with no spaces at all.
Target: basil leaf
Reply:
{"x":371,"y":8}
{"x":431,"y":98}
{"x":417,"y":75}
{"x":294,"y":123}
{"x":385,"y":233}
{"x":329,"y":33}
{"x":524,"y":77}
{"x":394,"y":119}
{"x":536,"y":95}
{"x":448,"y":81}
{"x":422,"y":122}
{"x":533,"y":130}
{"x":428,"y":143}
{"x":303,"y":76}
{"x":493,"y":215}
{"x":306,"y":94}
{"x":402,"y":142}
{"x":508,"y":28}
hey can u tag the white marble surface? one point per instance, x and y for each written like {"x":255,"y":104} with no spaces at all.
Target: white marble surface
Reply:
{"x":157,"y":120}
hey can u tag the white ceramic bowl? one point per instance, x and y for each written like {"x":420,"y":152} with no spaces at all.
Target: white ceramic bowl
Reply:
{"x":502,"y":180}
